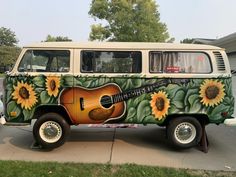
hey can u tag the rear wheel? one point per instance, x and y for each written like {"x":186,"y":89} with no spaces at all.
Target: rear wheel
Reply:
{"x":184,"y":132}
{"x":51,"y":130}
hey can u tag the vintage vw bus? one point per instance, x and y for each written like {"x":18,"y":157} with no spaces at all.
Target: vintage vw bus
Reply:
{"x":180,"y":86}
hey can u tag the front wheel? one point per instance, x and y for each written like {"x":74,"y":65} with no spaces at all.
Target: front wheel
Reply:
{"x":184,"y":132}
{"x":51,"y":130}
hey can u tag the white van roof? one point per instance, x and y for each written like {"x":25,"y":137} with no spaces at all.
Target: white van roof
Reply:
{"x":123,"y":45}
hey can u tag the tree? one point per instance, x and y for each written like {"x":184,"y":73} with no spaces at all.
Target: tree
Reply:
{"x":50,"y":38}
{"x":7,"y":37}
{"x":8,"y":56}
{"x":187,"y":41}
{"x":8,"y":49}
{"x":127,"y":20}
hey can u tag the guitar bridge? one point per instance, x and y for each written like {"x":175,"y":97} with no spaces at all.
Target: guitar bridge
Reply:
{"x":81,"y":101}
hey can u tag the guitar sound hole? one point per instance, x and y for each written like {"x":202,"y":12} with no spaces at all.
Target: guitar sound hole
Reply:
{"x":106,"y":101}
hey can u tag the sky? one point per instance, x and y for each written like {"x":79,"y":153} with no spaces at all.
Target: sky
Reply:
{"x":33,"y":20}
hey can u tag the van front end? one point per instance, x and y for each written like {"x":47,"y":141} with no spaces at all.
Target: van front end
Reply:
{"x":2,"y":104}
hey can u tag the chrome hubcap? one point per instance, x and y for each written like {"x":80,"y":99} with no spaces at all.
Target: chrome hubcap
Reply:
{"x":185,"y":133}
{"x":50,"y":131}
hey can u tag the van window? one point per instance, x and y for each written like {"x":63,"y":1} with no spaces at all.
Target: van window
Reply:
{"x":111,"y":61}
{"x":45,"y":61}
{"x":179,"y":62}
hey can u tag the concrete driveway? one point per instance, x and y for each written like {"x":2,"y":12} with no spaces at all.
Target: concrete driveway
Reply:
{"x":142,"y":145}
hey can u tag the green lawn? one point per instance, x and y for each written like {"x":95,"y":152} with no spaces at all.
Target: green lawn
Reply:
{"x":2,"y":75}
{"x":31,"y":169}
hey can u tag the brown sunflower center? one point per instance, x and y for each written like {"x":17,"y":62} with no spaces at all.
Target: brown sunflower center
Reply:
{"x":52,"y":85}
{"x":160,"y":103}
{"x":212,"y":92}
{"x":24,"y":93}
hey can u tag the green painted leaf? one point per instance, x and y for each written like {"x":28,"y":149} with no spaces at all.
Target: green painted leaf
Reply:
{"x":88,"y":83}
{"x":9,"y":87}
{"x":228,"y":87}
{"x":149,"y":119}
{"x":179,"y":96}
{"x":39,"y":81}
{"x":216,"y":113}
{"x":227,"y":100}
{"x":178,"y":104}
{"x":189,"y":93}
{"x":139,"y":99}
{"x":44,"y":97}
{"x":193,"y":98}
{"x":28,"y":114}
{"x":130,"y":103}
{"x":187,"y":108}
{"x":128,"y":85}
{"x":173,"y":109}
{"x":137,"y":83}
{"x":195,"y":107}
{"x":131,"y":113}
{"x":143,"y":109}
{"x":68,"y":81}
{"x":9,"y":96}
{"x":151,"y":81}
{"x":119,"y":81}
{"x":172,"y":89}
{"x":77,"y":82}
{"x":13,"y":107}
{"x":197,"y":82}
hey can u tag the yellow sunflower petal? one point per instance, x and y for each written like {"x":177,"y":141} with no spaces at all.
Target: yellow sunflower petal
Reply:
{"x":24,"y":95}
{"x":212,"y":92}
{"x":160,"y":105}
{"x":52,"y":85}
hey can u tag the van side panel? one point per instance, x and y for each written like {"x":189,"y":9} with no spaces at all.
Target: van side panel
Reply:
{"x":118,"y":99}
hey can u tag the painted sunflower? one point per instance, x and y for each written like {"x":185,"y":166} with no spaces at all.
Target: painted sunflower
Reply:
{"x":212,"y":92}
{"x":52,"y":85}
{"x":24,"y":95}
{"x":160,"y":105}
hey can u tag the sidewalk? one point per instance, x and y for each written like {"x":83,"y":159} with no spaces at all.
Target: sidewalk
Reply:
{"x":144,"y":145}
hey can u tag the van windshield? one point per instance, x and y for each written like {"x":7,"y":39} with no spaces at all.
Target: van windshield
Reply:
{"x":45,"y":61}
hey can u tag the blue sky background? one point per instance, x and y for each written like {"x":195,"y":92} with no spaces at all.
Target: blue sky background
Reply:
{"x":33,"y":20}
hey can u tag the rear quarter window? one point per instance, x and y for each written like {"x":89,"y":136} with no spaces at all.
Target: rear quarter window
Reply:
{"x":179,"y":62}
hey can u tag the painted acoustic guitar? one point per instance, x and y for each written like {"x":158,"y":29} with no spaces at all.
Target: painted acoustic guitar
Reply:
{"x":102,"y":104}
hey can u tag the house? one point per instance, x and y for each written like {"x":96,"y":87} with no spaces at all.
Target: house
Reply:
{"x":227,"y":42}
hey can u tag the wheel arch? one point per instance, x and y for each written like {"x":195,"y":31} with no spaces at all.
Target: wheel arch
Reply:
{"x":55,"y":109}
{"x":202,"y":118}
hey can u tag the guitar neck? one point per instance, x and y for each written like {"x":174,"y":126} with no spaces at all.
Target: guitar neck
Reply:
{"x":138,"y":91}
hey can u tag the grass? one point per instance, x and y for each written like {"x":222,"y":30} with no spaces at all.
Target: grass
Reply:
{"x":2,"y":75}
{"x":33,"y":169}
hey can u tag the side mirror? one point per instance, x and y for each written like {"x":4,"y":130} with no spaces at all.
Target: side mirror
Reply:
{"x":1,"y":108}
{"x":233,"y":71}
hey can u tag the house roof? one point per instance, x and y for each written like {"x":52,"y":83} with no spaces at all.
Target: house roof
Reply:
{"x":228,"y":42}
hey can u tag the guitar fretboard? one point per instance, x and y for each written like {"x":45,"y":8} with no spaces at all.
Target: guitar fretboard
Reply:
{"x":138,"y":91}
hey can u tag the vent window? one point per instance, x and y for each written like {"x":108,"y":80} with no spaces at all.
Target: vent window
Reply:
{"x":219,"y":61}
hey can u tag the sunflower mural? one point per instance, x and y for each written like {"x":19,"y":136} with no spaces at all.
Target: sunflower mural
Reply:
{"x":24,"y":95}
{"x":204,"y":96}
{"x":52,"y":85}
{"x":212,"y":92}
{"x":160,"y":105}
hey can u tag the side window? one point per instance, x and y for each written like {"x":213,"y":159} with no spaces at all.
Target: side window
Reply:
{"x":111,"y":62}
{"x":45,"y":61}
{"x":179,"y":62}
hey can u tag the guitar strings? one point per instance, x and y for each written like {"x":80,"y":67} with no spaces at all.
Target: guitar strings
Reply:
{"x":136,"y":92}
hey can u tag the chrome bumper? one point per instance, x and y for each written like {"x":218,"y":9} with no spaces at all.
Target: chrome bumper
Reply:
{"x":2,"y":120}
{"x":230,"y":122}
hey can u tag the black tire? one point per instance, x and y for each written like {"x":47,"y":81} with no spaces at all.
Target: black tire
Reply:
{"x":51,"y":130}
{"x":184,"y":132}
